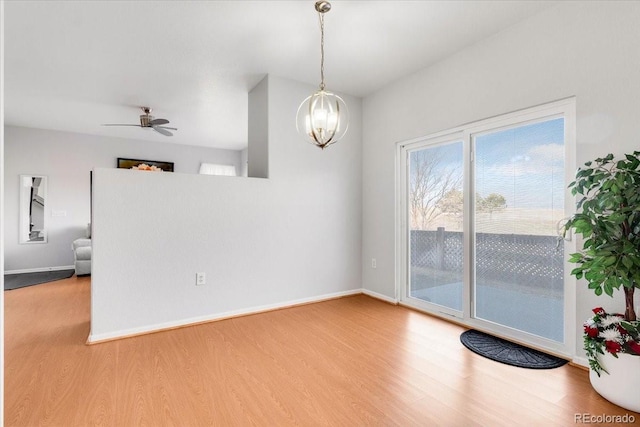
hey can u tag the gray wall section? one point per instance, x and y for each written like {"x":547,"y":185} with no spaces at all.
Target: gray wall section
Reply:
{"x":67,"y":159}
{"x":258,"y":151}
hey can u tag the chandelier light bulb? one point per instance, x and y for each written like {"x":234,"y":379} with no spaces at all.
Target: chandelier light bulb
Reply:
{"x":323,"y":118}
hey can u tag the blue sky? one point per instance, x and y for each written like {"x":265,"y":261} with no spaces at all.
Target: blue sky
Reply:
{"x":524,"y":164}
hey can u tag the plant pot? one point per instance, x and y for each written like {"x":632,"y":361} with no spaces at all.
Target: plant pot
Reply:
{"x":620,"y":385}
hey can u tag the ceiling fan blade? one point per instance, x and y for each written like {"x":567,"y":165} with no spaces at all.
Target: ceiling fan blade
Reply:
{"x":158,"y":122}
{"x":165,"y":127}
{"x":113,"y":124}
{"x":162,"y":131}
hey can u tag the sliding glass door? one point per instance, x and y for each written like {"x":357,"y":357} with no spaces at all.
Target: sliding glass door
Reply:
{"x":518,"y":201}
{"x":480,"y":208}
{"x":435,"y":215}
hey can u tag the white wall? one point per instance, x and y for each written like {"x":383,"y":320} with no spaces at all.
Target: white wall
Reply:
{"x":587,"y":49}
{"x":67,"y":158}
{"x":261,"y":242}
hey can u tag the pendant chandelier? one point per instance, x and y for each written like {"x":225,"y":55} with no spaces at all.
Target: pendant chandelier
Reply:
{"x":323,"y":117}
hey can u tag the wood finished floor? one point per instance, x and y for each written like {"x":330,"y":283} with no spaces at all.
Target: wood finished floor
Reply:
{"x":347,"y":362}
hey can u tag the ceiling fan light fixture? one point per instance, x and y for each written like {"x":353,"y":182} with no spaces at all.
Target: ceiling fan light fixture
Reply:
{"x":323,"y":117}
{"x":148,"y":121}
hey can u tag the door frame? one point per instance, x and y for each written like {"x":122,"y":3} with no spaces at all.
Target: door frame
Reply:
{"x":565,"y":108}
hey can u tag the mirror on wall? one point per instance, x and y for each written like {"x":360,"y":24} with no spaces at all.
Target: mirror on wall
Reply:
{"x":33,"y":196}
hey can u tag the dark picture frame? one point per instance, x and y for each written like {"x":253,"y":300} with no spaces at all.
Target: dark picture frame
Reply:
{"x":129,"y":163}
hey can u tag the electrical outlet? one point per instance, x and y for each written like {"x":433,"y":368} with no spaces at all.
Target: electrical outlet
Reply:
{"x":200,"y":279}
{"x":373,"y":263}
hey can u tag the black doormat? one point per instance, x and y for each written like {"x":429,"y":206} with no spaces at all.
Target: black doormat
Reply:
{"x":507,"y":352}
{"x":15,"y":281}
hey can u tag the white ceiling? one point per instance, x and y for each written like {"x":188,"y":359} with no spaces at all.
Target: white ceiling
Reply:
{"x":74,"y":65}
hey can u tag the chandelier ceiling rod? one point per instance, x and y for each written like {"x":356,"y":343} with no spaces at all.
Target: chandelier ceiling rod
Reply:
{"x":322,"y":118}
{"x":322,"y":7}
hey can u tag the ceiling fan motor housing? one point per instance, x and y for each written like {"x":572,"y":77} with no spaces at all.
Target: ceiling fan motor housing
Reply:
{"x":145,"y":120}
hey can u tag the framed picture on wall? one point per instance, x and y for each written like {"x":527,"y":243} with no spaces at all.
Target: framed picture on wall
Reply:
{"x":152,"y":164}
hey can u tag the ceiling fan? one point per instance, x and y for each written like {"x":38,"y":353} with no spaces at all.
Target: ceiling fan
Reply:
{"x":147,"y":121}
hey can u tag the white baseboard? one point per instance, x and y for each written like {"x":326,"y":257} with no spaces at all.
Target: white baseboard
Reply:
{"x":582,"y":361}
{"x":379,"y":296}
{"x":40,"y":269}
{"x":97,"y":338}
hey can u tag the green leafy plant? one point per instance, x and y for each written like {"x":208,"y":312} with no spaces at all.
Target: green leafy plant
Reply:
{"x":608,"y":219}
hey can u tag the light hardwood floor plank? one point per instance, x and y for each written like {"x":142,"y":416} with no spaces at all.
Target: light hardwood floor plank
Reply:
{"x":347,"y":362}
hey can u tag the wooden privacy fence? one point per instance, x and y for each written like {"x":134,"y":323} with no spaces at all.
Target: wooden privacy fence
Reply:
{"x":515,"y":258}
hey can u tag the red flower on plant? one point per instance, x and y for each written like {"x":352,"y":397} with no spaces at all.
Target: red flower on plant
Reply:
{"x":613,"y":347}
{"x":609,"y":333}
{"x":591,"y":331}
{"x":634,"y":346}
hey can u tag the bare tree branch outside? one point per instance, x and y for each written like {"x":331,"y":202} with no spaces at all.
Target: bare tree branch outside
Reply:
{"x":431,"y":181}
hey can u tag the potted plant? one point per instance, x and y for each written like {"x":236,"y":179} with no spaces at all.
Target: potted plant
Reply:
{"x":608,"y":219}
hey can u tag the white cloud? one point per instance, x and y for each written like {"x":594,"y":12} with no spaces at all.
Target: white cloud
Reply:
{"x":541,"y":159}
{"x":549,"y":152}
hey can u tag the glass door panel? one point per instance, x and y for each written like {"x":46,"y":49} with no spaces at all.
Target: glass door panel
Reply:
{"x":518,"y":202}
{"x":436,"y":216}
